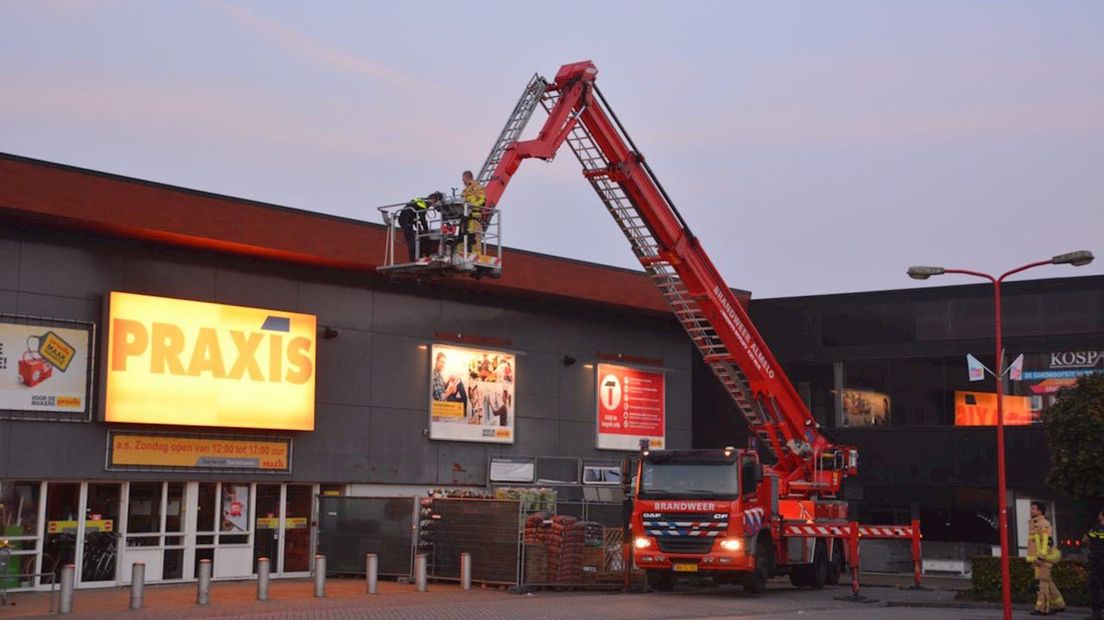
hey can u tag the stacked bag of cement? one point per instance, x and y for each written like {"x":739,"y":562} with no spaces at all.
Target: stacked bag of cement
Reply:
{"x":565,"y":540}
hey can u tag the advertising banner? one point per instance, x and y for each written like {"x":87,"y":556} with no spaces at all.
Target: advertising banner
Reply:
{"x":631,"y":406}
{"x":44,"y":368}
{"x":189,"y":452}
{"x":1049,"y":373}
{"x":172,"y":361}
{"x":980,"y":409}
{"x":471,"y":394}
{"x":865,"y":408}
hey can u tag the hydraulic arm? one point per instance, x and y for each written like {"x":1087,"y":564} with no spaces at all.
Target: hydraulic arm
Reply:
{"x":807,"y":462}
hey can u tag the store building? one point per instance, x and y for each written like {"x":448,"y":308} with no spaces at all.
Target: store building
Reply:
{"x":887,"y":371}
{"x":184,"y":373}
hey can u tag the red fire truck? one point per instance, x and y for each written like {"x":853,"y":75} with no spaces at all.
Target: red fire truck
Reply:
{"x":727,"y":513}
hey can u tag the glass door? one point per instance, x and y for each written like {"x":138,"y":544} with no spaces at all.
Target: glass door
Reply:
{"x":62,"y":511}
{"x":298,"y":506}
{"x":100,"y":539}
{"x":266,"y":540}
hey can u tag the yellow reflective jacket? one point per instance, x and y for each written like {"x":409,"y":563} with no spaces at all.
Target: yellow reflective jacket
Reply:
{"x":1039,"y":541}
{"x":475,"y":195}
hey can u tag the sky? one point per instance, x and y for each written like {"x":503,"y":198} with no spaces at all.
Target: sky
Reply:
{"x":814,"y":147}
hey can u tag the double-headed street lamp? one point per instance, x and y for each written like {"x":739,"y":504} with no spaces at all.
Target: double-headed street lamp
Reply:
{"x":1077,"y":259}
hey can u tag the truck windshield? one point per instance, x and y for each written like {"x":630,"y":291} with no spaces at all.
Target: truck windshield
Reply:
{"x":718,"y":480}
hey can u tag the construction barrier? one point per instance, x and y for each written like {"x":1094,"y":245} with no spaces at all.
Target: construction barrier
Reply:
{"x":852,"y":533}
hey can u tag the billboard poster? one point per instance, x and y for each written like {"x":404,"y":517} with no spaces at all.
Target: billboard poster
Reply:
{"x":44,"y":368}
{"x":865,"y":408}
{"x":235,"y":508}
{"x":631,"y":406}
{"x":471,"y":394}
{"x":193,"y":363}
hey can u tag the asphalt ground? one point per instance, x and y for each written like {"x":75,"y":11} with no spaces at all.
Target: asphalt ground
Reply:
{"x":292,"y":599}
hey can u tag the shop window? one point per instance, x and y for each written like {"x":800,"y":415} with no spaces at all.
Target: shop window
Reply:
{"x":815,"y":383}
{"x":19,"y":526}
{"x":865,"y":395}
{"x":144,"y":508}
{"x":174,"y":505}
{"x":207,"y":508}
{"x":234,"y":513}
{"x":917,"y":392}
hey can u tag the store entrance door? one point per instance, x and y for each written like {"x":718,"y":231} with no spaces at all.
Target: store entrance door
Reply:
{"x":97,"y":534}
{"x":283,"y":528}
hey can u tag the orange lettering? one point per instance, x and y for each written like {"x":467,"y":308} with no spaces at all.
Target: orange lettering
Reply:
{"x":167,"y":345}
{"x":207,"y":356}
{"x":275,"y":357}
{"x":298,"y":360}
{"x":247,"y":351}
{"x":128,"y":338}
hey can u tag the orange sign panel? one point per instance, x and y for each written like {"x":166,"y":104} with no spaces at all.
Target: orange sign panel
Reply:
{"x":980,"y":409}
{"x":172,"y":361}
{"x":135,"y":449}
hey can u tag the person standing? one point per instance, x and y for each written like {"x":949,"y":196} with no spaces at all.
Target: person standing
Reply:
{"x":412,"y":220}
{"x":476,"y":196}
{"x":1095,"y":540}
{"x":1043,"y":555}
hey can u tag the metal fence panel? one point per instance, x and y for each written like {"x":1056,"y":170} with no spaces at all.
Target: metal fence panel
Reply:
{"x":487,"y":529}
{"x":349,"y":528}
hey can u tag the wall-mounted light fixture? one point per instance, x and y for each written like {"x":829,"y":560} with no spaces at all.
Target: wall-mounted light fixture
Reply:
{"x":569,"y":361}
{"x":329,"y":333}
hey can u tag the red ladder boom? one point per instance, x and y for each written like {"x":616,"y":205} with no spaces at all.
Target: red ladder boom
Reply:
{"x":808,"y":463}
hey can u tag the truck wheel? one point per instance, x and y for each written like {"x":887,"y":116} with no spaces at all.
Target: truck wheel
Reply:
{"x":756,"y":581}
{"x":818,"y":575}
{"x":660,"y":580}
{"x":835,"y":568}
{"x":799,"y":576}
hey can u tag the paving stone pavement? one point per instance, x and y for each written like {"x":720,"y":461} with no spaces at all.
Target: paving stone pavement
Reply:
{"x":292,"y":600}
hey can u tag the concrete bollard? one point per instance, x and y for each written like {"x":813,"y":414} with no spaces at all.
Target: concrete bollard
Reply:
{"x":465,"y":571}
{"x":262,"y":579}
{"x":68,"y":573}
{"x":372,"y":571}
{"x":319,"y":576}
{"x":203,"y":594}
{"x":420,"y":572}
{"x":137,"y":585}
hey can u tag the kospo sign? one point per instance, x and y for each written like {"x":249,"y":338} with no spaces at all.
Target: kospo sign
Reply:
{"x":171,"y":361}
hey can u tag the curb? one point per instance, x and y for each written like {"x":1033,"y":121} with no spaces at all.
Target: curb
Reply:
{"x":972,"y":605}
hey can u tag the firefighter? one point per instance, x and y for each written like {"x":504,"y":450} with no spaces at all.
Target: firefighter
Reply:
{"x":476,"y":196}
{"x":1095,"y":540}
{"x":412,"y":220}
{"x":1042,"y":554}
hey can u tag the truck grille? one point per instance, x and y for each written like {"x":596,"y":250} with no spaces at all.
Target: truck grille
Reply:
{"x":685,"y":544}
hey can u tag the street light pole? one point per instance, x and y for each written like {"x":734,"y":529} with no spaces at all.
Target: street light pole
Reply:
{"x":1076,"y":259}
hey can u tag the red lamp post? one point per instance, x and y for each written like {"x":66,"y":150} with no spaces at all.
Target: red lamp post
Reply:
{"x":1076,"y":259}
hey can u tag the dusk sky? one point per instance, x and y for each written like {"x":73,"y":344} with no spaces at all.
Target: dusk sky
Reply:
{"x":815,"y":147}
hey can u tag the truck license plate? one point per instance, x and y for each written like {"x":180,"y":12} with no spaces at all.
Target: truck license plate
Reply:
{"x":686,"y":568}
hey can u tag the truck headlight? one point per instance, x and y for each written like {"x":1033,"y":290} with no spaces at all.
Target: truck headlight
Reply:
{"x":642,"y":542}
{"x":732,"y":544}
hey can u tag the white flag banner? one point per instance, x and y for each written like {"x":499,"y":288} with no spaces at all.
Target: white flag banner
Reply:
{"x":975,"y":367}
{"x":1015,"y":371}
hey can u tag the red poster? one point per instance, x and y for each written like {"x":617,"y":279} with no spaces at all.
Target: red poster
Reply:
{"x":630,"y":407}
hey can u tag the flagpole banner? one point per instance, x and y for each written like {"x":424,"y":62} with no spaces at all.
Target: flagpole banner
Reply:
{"x":631,"y":405}
{"x":471,"y":394}
{"x":45,"y":367}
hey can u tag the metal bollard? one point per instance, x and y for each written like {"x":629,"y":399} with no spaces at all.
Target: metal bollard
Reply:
{"x":465,"y":571}
{"x":137,"y":585}
{"x":68,"y":572}
{"x":203,"y":595}
{"x":262,"y":579}
{"x":372,"y":571}
{"x":420,"y":572}
{"x":319,"y":576}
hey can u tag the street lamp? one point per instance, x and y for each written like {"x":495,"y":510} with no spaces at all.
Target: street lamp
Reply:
{"x":1077,"y":259}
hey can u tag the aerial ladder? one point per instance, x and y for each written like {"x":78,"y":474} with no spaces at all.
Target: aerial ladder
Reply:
{"x":808,"y":468}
